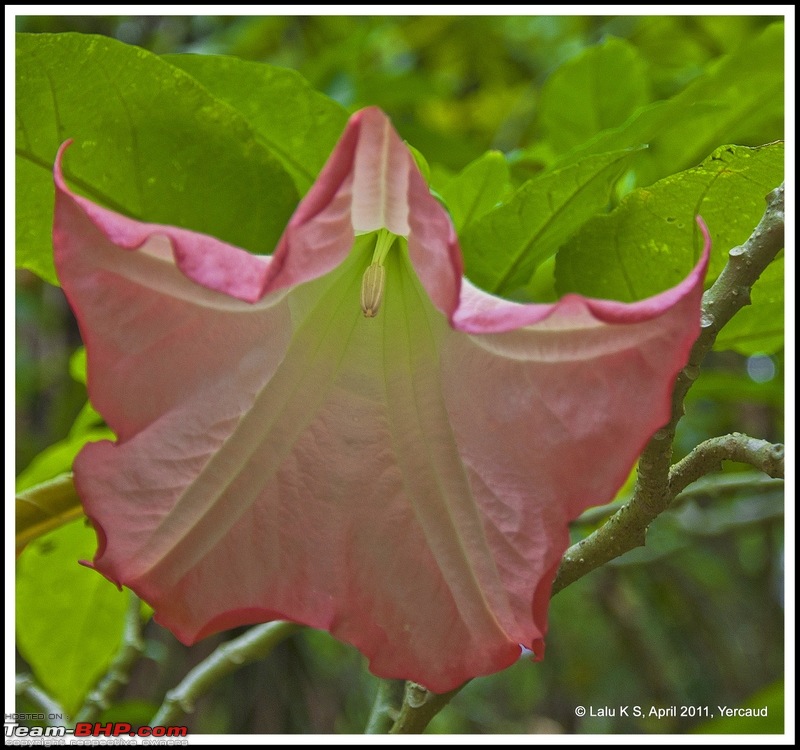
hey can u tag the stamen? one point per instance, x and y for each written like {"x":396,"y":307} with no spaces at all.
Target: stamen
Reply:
{"x":372,"y":285}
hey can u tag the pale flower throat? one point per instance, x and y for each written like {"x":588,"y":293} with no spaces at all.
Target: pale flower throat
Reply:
{"x":374,"y":280}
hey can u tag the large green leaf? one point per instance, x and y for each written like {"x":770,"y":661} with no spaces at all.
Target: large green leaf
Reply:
{"x":298,"y":124}
{"x":597,"y":90}
{"x":69,"y":619}
{"x":150,"y":141}
{"x":476,"y":189}
{"x":503,"y":248}
{"x":739,"y":99}
{"x":650,"y":241}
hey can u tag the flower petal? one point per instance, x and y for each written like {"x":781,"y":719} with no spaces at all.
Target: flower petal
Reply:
{"x":370,"y":182}
{"x":149,"y":327}
{"x":403,"y":481}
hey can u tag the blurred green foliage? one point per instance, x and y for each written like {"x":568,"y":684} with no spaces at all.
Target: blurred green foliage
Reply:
{"x":694,"y":619}
{"x":454,"y":86}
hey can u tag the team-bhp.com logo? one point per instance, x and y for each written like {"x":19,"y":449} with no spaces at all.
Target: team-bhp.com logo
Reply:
{"x":94,"y":729}
{"x":89,"y":729}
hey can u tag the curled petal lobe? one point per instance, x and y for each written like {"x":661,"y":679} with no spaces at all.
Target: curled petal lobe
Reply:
{"x":403,"y":479}
{"x":370,"y":182}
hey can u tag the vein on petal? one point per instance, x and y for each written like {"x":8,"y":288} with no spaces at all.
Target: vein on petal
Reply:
{"x":444,"y":496}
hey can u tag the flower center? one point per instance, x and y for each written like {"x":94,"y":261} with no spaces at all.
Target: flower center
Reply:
{"x":373,"y":281}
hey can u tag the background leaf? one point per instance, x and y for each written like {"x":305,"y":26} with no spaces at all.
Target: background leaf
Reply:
{"x":150,"y":142}
{"x":734,"y":388}
{"x":739,"y":99}
{"x":476,"y":189}
{"x":596,"y":90}
{"x":650,"y":241}
{"x":53,"y":588}
{"x":503,"y":248}
{"x":45,"y":507}
{"x":58,"y":458}
{"x":77,"y":365}
{"x":758,"y":328}
{"x":296,"y":123}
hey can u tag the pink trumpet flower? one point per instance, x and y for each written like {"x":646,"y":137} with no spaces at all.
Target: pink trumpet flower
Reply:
{"x":348,"y":434}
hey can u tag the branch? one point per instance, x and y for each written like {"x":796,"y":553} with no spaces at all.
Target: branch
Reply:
{"x":419,"y":707}
{"x":622,"y":532}
{"x":255,"y":644}
{"x":27,"y":688}
{"x":719,"y":486}
{"x":708,"y":457}
{"x":119,"y":672}
{"x":626,"y":529}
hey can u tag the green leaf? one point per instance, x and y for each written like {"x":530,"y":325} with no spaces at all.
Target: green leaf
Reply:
{"x":650,"y":241}
{"x":77,"y":365}
{"x":725,"y":387}
{"x":739,"y":99}
{"x":294,"y":121}
{"x":476,"y":189}
{"x":58,"y":458}
{"x":69,"y":619}
{"x":758,"y":328}
{"x":503,"y":248}
{"x":740,"y":512}
{"x":596,"y":90}
{"x":45,"y":507}
{"x":420,"y":161}
{"x":149,"y":141}
{"x":87,"y":420}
